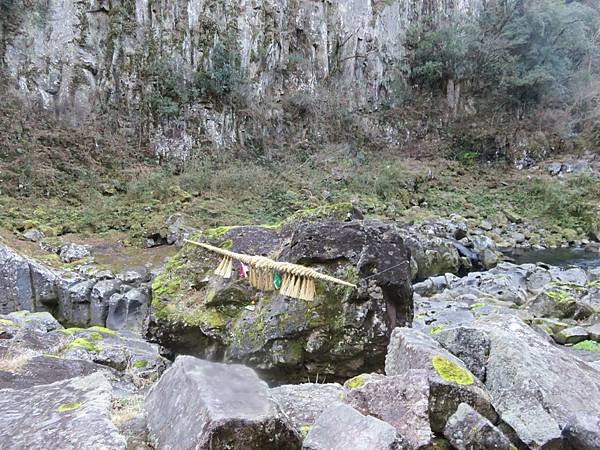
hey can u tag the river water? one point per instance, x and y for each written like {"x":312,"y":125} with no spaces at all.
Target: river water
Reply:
{"x":561,"y":257}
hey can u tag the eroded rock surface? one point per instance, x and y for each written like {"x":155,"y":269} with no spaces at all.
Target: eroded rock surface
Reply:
{"x":450,"y":382}
{"x":341,"y":427}
{"x":200,"y":404}
{"x":72,"y":414}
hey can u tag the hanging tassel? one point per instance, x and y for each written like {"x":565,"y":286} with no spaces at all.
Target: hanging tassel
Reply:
{"x":219,"y":270}
{"x":225,"y":268}
{"x":228,"y":268}
{"x":308,"y":290}
{"x":253,"y":277}
{"x":285,"y":284}
{"x":294,"y":287}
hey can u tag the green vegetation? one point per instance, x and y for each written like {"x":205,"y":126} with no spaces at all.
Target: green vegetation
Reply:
{"x":69,"y":406}
{"x":515,"y":53}
{"x":450,"y":371}
{"x":140,"y":364}
{"x":437,"y":329}
{"x":357,"y":382}
{"x":84,"y":344}
{"x":560,"y":296}
{"x":590,"y":346}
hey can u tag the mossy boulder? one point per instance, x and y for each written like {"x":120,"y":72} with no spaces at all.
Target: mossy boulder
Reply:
{"x":340,"y":334}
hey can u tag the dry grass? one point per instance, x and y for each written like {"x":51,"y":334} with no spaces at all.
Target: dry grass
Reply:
{"x":15,"y":360}
{"x":126,"y":409}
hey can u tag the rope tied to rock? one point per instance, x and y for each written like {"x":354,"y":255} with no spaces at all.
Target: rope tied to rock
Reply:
{"x":298,"y":281}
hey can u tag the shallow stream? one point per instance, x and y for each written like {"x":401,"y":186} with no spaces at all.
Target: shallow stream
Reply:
{"x":561,"y":257}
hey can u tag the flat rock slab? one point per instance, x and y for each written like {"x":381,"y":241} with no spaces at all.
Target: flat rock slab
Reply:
{"x":69,"y":415}
{"x":540,"y":390}
{"x":341,"y":427}
{"x":304,"y":403}
{"x":41,"y":370}
{"x":450,"y":382}
{"x":402,"y":401}
{"x":201,"y":404}
{"x":467,"y":429}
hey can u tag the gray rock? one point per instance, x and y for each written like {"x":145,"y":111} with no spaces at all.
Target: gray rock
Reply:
{"x":16,"y":292}
{"x":538,"y":389}
{"x":74,"y":300}
{"x":560,"y":304}
{"x":128,"y":311}
{"x":470,"y":345}
{"x":489,"y":258}
{"x":554,"y":168}
{"x":485,"y":225}
{"x":450,"y":382}
{"x":304,"y":403}
{"x":232,"y":409}
{"x":341,"y":427}
{"x":583,"y":433}
{"x":400,"y":400}
{"x":33,"y":235}
{"x":134,"y":276}
{"x":594,"y":332}
{"x":571,"y":335}
{"x":99,"y":298}
{"x":40,"y":321}
{"x":594,"y":274}
{"x":73,"y":252}
{"x":43,"y":370}
{"x":43,"y":281}
{"x":72,"y":414}
{"x":466,"y":429}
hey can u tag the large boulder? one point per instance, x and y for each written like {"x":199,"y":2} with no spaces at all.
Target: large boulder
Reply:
{"x":466,"y":429}
{"x":401,"y":401}
{"x":450,"y":382}
{"x":201,"y":404}
{"x":470,"y":345}
{"x":341,"y":427}
{"x":304,"y":403}
{"x":343,"y":332}
{"x":546,"y":395}
{"x":15,"y":282}
{"x":71,"y":414}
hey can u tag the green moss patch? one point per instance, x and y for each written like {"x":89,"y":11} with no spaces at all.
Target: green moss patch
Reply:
{"x":436,"y":329}
{"x":69,"y":406}
{"x":357,"y":382}
{"x":84,"y":344}
{"x":71,"y":331}
{"x":103,"y":330}
{"x":451,"y":371}
{"x":95,"y":336}
{"x":140,"y":364}
{"x":590,"y":346}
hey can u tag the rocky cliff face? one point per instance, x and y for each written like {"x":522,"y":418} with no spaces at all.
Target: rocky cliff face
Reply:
{"x":75,"y":58}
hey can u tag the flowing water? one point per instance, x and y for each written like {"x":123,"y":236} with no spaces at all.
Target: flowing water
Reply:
{"x":561,"y":257}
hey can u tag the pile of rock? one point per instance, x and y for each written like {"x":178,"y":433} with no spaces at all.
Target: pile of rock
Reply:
{"x":66,"y":388}
{"x":561,"y":303}
{"x":86,"y":297}
{"x":494,"y":385}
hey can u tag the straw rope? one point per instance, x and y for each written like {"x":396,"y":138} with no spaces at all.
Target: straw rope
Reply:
{"x":297,"y":282}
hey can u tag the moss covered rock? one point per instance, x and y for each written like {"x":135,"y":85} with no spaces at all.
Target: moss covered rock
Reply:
{"x":342,"y":333}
